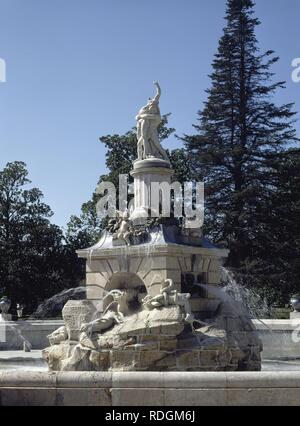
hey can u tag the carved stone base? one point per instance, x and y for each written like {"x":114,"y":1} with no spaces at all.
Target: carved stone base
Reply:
{"x":159,"y":340}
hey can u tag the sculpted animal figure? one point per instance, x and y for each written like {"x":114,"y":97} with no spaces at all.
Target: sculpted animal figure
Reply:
{"x":113,"y":314}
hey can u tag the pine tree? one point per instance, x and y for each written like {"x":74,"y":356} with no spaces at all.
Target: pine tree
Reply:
{"x":275,"y":263}
{"x":240,"y":136}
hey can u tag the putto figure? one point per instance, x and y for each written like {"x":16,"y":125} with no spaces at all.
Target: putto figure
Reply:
{"x":148,"y":120}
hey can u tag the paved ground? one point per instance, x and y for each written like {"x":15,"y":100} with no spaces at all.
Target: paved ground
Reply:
{"x":20,"y":355}
{"x":273,"y":365}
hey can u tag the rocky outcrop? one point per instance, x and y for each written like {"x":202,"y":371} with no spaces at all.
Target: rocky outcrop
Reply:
{"x":155,"y":340}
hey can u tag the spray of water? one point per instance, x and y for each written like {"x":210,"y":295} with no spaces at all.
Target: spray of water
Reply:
{"x":256,"y":306}
{"x":253,"y":302}
{"x":13,"y":336}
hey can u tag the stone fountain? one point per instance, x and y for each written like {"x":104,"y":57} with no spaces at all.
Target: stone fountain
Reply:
{"x":153,"y":297}
{"x":11,"y":337}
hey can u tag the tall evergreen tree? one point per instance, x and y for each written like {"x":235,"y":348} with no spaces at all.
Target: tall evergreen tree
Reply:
{"x":240,"y":136}
{"x":275,"y":260}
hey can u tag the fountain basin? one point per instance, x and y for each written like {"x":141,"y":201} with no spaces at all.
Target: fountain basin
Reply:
{"x":22,"y":361}
{"x":35,"y":331}
{"x":150,"y":388}
{"x":280,"y":338}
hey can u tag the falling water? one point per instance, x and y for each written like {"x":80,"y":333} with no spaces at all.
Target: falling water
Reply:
{"x":13,"y":336}
{"x":253,"y":302}
{"x":229,"y":303}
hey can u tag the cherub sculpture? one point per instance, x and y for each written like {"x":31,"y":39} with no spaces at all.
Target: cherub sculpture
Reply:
{"x":120,"y":226}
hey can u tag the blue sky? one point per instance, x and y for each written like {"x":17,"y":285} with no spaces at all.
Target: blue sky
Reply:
{"x":78,"y":69}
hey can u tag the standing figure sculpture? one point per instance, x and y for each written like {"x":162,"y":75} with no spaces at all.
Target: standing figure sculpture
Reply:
{"x":148,"y":120}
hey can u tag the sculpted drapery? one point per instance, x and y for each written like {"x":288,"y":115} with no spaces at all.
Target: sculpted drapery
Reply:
{"x":148,"y":120}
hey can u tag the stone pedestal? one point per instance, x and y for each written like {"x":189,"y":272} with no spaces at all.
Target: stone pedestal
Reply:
{"x":295,"y":315}
{"x":5,"y":317}
{"x":145,"y":173}
{"x":75,"y":313}
{"x":146,"y":266}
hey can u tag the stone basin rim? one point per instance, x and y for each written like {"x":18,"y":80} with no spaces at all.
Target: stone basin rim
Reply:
{"x":182,"y":380}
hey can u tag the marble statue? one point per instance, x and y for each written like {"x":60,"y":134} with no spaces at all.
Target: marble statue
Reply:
{"x":148,"y":120}
{"x":107,"y":320}
{"x":114,"y":312}
{"x":167,"y":296}
{"x":123,"y":231}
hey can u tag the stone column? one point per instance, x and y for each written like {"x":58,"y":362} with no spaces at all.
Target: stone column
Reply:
{"x":144,"y":173}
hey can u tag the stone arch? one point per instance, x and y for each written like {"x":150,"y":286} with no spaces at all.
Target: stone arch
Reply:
{"x":125,"y":281}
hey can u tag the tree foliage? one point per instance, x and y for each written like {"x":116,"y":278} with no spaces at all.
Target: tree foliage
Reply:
{"x":34,"y":262}
{"x":240,"y":139}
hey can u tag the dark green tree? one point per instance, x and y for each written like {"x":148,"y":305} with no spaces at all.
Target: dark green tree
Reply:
{"x":240,"y":137}
{"x":275,"y":262}
{"x":34,"y":262}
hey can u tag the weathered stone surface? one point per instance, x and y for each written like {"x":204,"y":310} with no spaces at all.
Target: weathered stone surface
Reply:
{"x":75,"y":313}
{"x":124,"y":360}
{"x":58,"y":336}
{"x":159,"y":340}
{"x":100,"y":360}
{"x":167,"y":344}
{"x":55,"y":354}
{"x":188,"y":359}
{"x":158,"y":321}
{"x":151,"y":358}
{"x":150,"y":388}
